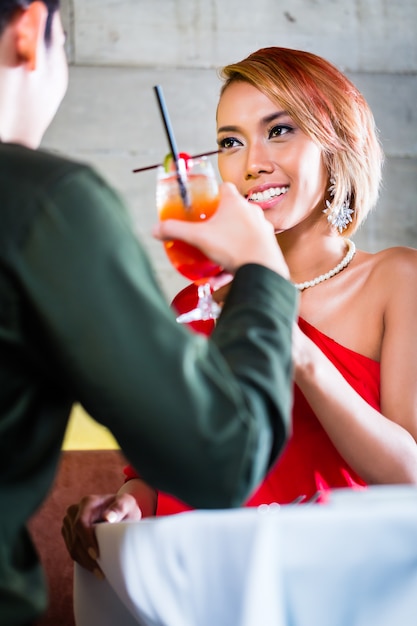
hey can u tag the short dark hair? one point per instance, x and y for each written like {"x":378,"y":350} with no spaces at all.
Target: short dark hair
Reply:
{"x":9,"y":7}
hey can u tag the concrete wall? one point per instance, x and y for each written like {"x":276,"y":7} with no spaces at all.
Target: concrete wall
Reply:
{"x":119,"y":50}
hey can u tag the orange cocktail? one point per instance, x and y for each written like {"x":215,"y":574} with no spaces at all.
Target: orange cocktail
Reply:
{"x":203,"y":197}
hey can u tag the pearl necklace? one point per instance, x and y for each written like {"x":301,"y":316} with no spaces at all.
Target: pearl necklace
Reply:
{"x":339,"y":267}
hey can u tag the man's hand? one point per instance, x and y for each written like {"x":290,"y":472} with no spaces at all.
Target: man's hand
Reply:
{"x":235,"y":235}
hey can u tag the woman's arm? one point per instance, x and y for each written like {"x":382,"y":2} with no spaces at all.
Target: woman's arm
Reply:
{"x":379,"y":446}
{"x":146,"y":497}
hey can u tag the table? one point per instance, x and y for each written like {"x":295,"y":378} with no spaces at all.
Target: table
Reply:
{"x":351,"y":562}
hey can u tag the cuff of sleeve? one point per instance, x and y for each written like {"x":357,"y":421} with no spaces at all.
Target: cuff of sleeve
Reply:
{"x":262,"y":286}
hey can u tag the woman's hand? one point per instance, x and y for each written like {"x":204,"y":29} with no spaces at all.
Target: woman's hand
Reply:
{"x":303,"y":352}
{"x":78,"y":525}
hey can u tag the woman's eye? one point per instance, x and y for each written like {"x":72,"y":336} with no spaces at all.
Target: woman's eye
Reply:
{"x":228,"y":142}
{"x":279,"y":131}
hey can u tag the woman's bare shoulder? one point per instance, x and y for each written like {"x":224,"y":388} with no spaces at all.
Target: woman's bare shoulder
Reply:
{"x":395,"y":261}
{"x":393,"y":275}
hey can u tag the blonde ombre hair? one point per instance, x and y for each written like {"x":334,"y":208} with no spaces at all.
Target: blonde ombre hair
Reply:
{"x":330,"y":110}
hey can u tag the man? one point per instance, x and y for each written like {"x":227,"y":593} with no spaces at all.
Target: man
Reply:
{"x":82,"y":319}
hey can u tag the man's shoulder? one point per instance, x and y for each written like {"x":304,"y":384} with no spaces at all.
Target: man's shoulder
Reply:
{"x":34,"y":166}
{"x":37,"y":182}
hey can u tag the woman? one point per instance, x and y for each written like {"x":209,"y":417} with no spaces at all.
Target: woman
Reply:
{"x":299,"y":140}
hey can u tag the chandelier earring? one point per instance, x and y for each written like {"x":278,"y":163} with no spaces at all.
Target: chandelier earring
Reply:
{"x":338,"y":216}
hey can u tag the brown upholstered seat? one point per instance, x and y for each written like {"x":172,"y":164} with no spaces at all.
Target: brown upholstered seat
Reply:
{"x":81,"y":472}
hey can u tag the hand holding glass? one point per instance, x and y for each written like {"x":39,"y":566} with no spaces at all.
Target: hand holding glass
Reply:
{"x":203,"y":198}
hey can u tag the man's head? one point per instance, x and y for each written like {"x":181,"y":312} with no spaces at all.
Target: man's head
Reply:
{"x":33,"y":68}
{"x":9,"y":8}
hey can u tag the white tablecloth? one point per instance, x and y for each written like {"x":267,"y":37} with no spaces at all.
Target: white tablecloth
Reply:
{"x":352,"y":562}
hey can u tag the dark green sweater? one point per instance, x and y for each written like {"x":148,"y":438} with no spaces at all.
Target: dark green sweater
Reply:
{"x":83,"y":319}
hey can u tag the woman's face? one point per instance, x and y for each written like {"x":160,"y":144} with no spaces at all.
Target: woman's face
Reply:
{"x":269,"y":159}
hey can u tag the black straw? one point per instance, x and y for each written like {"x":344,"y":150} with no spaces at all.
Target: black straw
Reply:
{"x":172,"y":144}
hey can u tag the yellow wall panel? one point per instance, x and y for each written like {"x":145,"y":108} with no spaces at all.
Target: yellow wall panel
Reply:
{"x":83,"y":433}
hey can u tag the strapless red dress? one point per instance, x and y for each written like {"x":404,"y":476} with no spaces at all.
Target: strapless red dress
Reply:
{"x":310,"y":463}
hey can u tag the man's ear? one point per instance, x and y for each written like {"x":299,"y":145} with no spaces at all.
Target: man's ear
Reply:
{"x":30,"y":29}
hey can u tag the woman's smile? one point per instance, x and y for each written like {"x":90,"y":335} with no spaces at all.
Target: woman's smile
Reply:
{"x":267,"y":196}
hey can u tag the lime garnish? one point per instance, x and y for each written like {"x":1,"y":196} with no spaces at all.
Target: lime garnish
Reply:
{"x":169,"y":161}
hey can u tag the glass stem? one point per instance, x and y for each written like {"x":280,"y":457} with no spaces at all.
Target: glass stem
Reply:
{"x":208,"y":307}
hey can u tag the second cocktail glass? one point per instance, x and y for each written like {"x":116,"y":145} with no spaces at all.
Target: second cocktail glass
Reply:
{"x":202,"y":198}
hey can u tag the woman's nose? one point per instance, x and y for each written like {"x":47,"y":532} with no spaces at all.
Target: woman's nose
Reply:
{"x":258,"y":163}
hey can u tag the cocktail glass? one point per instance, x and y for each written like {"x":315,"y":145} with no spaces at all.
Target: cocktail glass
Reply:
{"x":202,"y":198}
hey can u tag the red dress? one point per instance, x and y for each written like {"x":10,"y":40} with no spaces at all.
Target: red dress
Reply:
{"x":310,"y":463}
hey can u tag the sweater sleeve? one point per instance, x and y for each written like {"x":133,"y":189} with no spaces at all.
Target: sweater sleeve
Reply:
{"x":199,"y":418}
